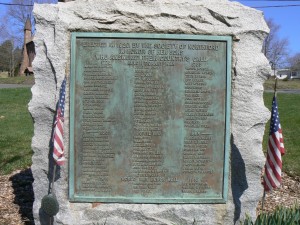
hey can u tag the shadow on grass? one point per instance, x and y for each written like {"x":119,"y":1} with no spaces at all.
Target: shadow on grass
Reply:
{"x":24,"y":196}
{"x":8,"y":165}
{"x":10,"y":161}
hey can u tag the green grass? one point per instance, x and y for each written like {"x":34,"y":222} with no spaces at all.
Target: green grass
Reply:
{"x":289,"y":115}
{"x":17,"y":80}
{"x":281,"y":84}
{"x":16,"y":130}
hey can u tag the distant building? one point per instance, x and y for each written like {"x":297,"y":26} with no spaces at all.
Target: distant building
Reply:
{"x":28,"y":52}
{"x":295,"y":74}
{"x":290,"y":74}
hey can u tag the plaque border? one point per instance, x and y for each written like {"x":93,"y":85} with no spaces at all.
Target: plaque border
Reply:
{"x":78,"y":198}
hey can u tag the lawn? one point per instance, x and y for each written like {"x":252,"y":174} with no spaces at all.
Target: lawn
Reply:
{"x":16,"y":130}
{"x":282,"y":84}
{"x":289,"y":115}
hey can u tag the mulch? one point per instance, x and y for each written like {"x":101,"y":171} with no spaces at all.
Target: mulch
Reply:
{"x":16,"y":197}
{"x":288,"y":195}
{"x":9,"y":212}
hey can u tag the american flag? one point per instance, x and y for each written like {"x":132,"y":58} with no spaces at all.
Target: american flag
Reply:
{"x":272,"y":177}
{"x":58,"y":144}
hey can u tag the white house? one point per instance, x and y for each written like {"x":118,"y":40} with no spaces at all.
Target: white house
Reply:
{"x":295,"y":74}
{"x":291,"y":74}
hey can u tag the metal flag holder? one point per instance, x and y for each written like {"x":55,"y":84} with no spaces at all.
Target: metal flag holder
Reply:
{"x":264,"y":194}
{"x":49,"y":202}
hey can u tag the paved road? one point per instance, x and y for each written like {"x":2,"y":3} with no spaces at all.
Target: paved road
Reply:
{"x":2,"y":86}
{"x":286,"y":91}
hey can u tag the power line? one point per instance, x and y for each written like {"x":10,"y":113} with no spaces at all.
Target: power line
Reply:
{"x":269,"y":0}
{"x":270,"y":6}
{"x":257,"y":7}
{"x":274,"y":6}
{"x":2,"y":3}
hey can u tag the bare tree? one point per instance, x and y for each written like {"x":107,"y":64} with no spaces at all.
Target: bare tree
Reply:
{"x":5,"y":49}
{"x":275,"y":48}
{"x":294,"y":62}
{"x":10,"y":57}
{"x":17,"y":15}
{"x":12,"y":31}
{"x":5,"y":33}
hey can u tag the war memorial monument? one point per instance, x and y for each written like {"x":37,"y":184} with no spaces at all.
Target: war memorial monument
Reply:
{"x":164,"y":113}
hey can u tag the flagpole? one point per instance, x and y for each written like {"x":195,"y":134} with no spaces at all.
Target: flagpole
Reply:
{"x":275,"y":87}
{"x":52,"y":190}
{"x":263,"y":200}
{"x":50,"y":204}
{"x":264,"y":194}
{"x":51,"y":218}
{"x":53,"y":179}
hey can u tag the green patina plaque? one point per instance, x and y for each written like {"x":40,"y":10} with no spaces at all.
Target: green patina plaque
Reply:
{"x":149,"y":118}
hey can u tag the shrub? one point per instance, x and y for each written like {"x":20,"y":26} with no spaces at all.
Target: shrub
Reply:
{"x":281,"y":216}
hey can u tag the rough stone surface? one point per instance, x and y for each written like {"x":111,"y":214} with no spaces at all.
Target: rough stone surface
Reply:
{"x":54,"y":23}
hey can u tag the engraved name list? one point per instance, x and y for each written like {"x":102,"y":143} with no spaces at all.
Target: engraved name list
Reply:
{"x":149,"y":119}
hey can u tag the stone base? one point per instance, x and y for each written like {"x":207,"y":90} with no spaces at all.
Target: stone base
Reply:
{"x":54,"y":24}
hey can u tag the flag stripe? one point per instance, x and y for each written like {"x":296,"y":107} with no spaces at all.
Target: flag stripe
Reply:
{"x":268,"y":186}
{"x":269,"y":178}
{"x":275,"y":176}
{"x":276,"y":143}
{"x":273,"y":152}
{"x":271,"y":164}
{"x":58,"y":149}
{"x":59,"y":132}
{"x":58,"y":143}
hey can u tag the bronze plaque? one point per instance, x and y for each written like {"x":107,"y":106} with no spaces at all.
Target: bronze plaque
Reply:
{"x":149,"y":118}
